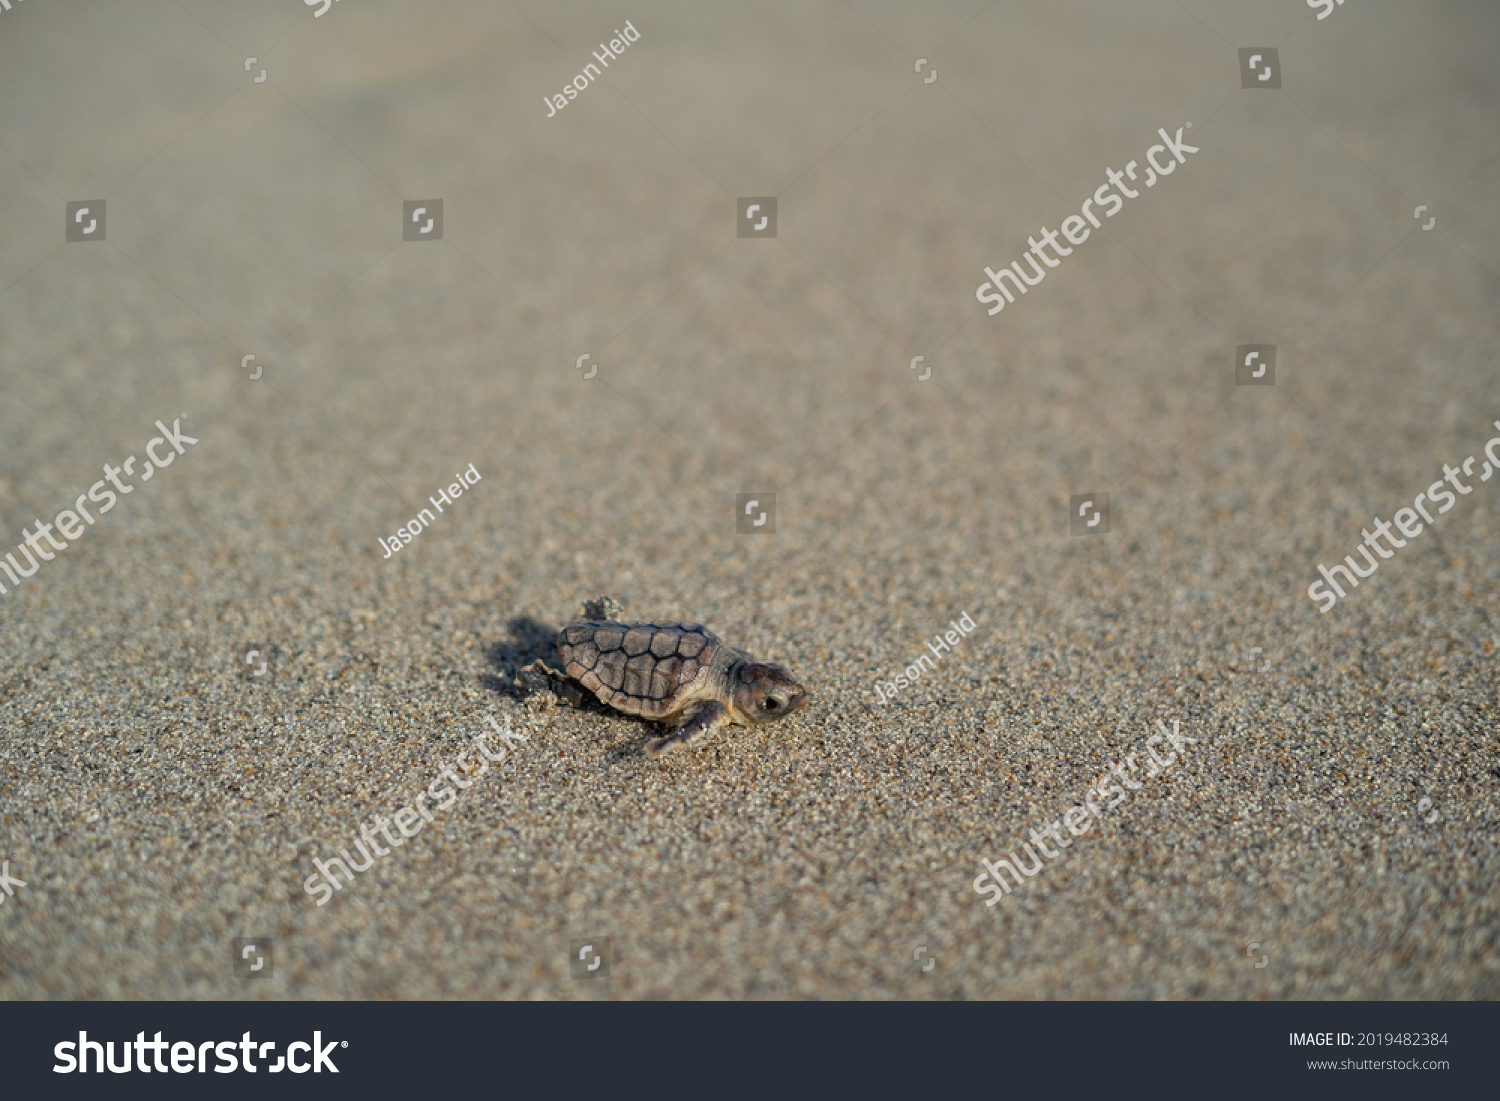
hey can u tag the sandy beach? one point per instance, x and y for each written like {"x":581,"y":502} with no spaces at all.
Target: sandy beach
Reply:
{"x":225,"y":677}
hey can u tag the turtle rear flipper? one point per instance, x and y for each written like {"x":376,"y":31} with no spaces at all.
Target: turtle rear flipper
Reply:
{"x":604,"y":608}
{"x":708,"y":715}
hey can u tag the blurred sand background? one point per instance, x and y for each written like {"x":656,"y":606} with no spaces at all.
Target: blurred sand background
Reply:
{"x":158,"y":803}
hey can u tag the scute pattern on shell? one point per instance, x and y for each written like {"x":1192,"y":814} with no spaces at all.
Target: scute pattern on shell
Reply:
{"x":637,"y":668}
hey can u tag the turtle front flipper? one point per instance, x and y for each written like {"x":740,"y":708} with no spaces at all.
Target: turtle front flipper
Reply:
{"x":706,"y":716}
{"x":542,"y":685}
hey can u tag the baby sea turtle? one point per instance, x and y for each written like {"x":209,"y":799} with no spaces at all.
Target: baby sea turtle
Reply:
{"x":674,"y":673}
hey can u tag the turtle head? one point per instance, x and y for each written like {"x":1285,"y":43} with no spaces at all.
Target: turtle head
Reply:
{"x":764,"y":691}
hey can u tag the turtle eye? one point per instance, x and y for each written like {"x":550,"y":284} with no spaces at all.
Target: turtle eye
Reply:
{"x":772,"y":704}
